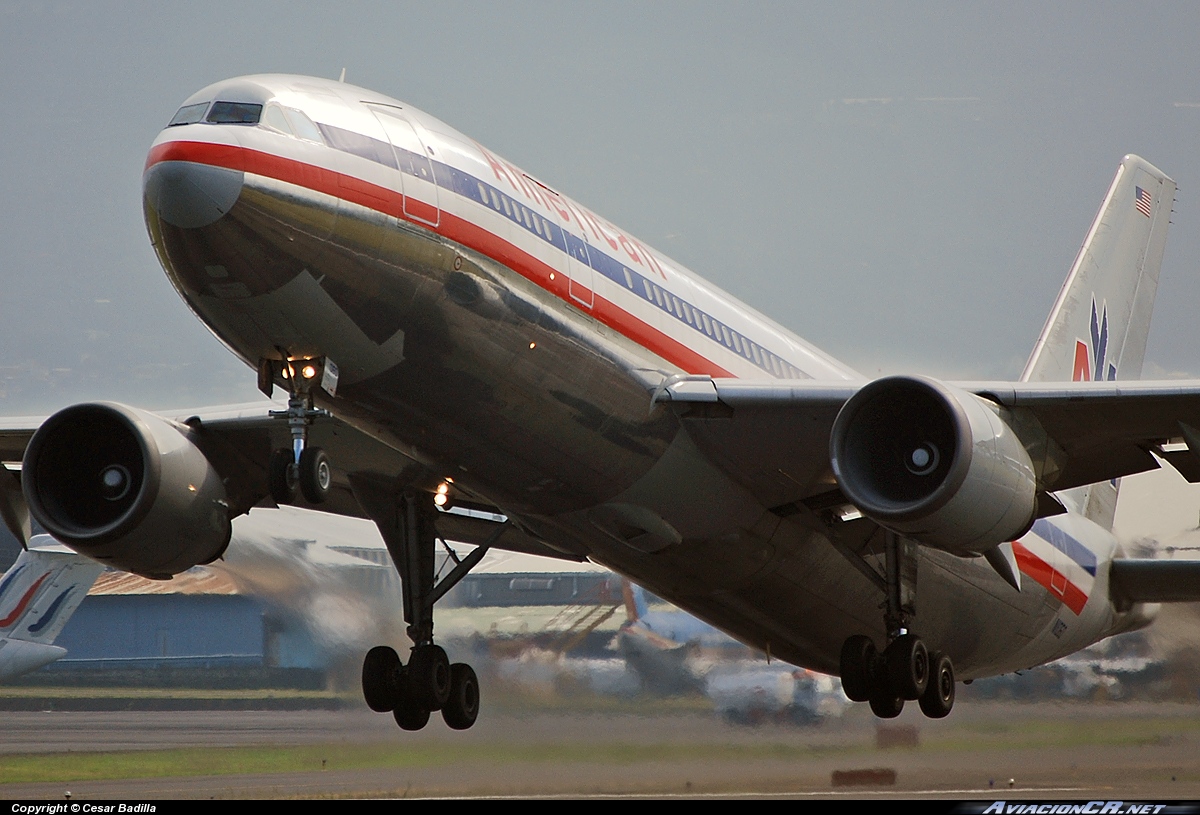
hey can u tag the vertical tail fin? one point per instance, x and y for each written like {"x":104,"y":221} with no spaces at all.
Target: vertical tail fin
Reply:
{"x":1098,"y":327}
{"x":41,"y":590}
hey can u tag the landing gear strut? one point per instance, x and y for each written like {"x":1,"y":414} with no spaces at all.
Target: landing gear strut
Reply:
{"x":905,"y":670}
{"x":429,"y":682}
{"x":301,"y":468}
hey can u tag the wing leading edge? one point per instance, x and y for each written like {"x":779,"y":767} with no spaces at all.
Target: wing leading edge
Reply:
{"x":238,"y":440}
{"x":774,"y":436}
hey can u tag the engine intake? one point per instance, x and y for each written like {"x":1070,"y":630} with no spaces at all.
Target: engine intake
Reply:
{"x":127,"y":488}
{"x":934,"y":463}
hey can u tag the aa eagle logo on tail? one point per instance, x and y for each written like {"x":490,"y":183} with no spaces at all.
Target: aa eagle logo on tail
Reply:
{"x":1090,"y":358}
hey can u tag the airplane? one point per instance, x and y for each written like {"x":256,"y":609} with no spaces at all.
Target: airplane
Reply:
{"x":470,"y":354}
{"x":674,"y":653}
{"x":670,"y":649}
{"x":38,"y":594}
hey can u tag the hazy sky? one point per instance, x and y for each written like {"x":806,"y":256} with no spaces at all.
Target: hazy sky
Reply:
{"x":905,"y":185}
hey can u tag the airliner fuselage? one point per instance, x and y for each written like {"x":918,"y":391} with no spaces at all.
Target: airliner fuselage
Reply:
{"x":505,"y":337}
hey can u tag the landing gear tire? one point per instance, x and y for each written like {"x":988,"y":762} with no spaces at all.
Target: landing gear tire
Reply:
{"x":857,"y":667}
{"x":382,"y":674}
{"x":409,"y":713}
{"x":938,"y":698}
{"x":281,"y":477}
{"x":885,"y":704}
{"x":462,"y":706}
{"x":429,"y":677}
{"x":314,"y":475}
{"x":907,"y":666}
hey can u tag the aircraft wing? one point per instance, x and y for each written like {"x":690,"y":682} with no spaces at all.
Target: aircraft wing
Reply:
{"x":774,"y":436}
{"x":239,"y":439}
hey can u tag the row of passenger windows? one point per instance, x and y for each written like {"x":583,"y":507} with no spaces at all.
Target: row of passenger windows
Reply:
{"x":619,"y":273}
{"x":295,"y":123}
{"x":517,"y":213}
{"x":716,"y":330}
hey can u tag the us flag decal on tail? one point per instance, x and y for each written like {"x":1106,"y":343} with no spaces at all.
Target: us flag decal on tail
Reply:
{"x":1142,"y":200}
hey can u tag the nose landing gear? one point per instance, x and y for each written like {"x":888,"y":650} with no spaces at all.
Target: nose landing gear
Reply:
{"x":300,"y":469}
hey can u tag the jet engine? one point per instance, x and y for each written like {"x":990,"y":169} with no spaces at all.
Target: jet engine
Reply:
{"x":127,"y":488}
{"x":935,"y":464}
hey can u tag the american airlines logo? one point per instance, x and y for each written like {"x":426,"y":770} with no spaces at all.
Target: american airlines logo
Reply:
{"x":1090,"y":358}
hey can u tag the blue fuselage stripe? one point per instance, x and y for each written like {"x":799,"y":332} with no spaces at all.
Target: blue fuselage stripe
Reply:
{"x":1069,"y":546}
{"x":468,"y":186}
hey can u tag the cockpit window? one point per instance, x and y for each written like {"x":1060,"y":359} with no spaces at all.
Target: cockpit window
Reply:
{"x":303,"y":125}
{"x":188,"y":114}
{"x":274,"y":118}
{"x":235,"y":113}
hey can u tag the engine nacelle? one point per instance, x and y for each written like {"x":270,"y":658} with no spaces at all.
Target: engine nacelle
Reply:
{"x":127,"y":488}
{"x":933,"y":463}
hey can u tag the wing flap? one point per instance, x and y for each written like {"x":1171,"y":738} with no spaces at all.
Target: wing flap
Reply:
{"x":1154,"y":581}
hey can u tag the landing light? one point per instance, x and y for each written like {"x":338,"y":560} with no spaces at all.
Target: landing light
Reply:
{"x":532,"y":345}
{"x":308,"y":371}
{"x":440,"y":499}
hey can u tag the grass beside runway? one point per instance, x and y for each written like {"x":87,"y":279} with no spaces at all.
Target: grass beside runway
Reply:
{"x":778,"y":745}
{"x":71,"y":767}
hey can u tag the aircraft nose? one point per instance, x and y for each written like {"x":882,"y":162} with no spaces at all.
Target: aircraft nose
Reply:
{"x":190,"y":195}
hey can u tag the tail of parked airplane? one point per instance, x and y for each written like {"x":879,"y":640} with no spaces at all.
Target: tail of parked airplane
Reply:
{"x":37,"y":597}
{"x":1098,"y":327}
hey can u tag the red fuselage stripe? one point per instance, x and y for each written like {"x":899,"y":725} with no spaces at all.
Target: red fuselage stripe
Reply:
{"x":459,"y":230}
{"x":1050,"y":578}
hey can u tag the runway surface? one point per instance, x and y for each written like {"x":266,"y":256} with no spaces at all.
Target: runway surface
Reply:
{"x":1078,"y":751}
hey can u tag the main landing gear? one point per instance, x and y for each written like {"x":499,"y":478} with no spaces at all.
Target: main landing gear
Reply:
{"x":300,"y":469}
{"x":905,"y":670}
{"x":429,"y":682}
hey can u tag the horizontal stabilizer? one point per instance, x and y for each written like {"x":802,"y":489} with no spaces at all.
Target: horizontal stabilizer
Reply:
{"x":1154,"y":581}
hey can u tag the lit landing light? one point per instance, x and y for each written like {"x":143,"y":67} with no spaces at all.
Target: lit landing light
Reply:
{"x":532,"y":345}
{"x":442,"y":495}
{"x":848,"y":512}
{"x":308,"y":371}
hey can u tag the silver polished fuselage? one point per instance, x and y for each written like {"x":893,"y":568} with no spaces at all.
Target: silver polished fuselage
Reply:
{"x":500,"y":334}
